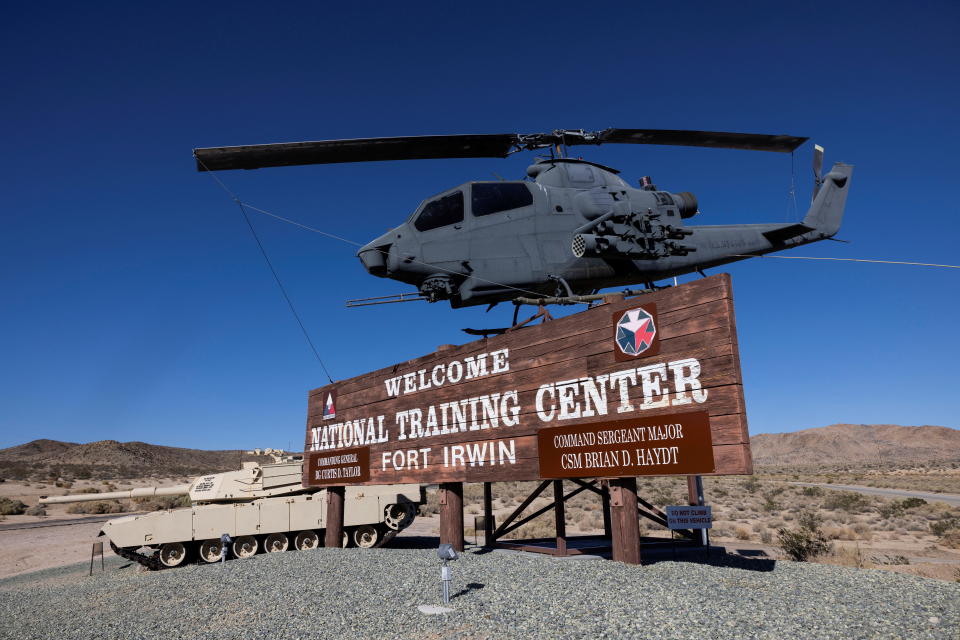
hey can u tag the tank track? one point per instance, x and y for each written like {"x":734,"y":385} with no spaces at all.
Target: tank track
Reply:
{"x":385,"y":538}
{"x":153,"y":562}
{"x":150,"y":562}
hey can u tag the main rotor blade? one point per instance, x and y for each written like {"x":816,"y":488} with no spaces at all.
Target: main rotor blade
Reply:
{"x":496,"y":145}
{"x":717,"y":139}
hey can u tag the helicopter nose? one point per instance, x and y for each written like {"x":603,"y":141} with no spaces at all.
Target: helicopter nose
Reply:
{"x":374,"y":258}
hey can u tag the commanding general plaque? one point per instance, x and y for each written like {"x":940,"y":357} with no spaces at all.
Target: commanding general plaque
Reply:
{"x":650,"y":385}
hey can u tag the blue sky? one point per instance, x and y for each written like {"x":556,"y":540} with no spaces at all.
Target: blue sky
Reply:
{"x":135,"y":305}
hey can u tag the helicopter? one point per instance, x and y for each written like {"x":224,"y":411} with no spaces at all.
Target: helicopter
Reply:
{"x":572,"y":228}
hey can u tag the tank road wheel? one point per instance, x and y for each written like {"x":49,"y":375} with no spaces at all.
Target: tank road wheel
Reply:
{"x":306,"y":540}
{"x":276,"y":542}
{"x":346,"y":539}
{"x":173,"y":554}
{"x":365,"y":536}
{"x":400,"y":515}
{"x":210,"y":550}
{"x":245,"y":547}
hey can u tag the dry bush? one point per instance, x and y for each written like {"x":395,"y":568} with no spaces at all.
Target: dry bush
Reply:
{"x":863,"y":531}
{"x":10,"y":507}
{"x":537,"y":528}
{"x":432,"y":505}
{"x":162,"y":503}
{"x":845,"y":501}
{"x":839,"y":533}
{"x":741,"y":533}
{"x":36,"y":510}
{"x":942,"y":526}
{"x":951,"y":540}
{"x":766,"y":537}
{"x":802,"y":544}
{"x":103,"y":506}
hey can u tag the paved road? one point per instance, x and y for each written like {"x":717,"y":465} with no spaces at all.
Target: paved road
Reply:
{"x":950,"y":498}
{"x":63,"y":523}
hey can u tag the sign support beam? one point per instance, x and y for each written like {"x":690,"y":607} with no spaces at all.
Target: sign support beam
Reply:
{"x":487,"y":514}
{"x":335,"y":499}
{"x":625,"y":523}
{"x":560,"y":518}
{"x":451,"y":514}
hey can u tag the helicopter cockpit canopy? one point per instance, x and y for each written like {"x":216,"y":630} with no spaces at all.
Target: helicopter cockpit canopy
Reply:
{"x":486,"y":198}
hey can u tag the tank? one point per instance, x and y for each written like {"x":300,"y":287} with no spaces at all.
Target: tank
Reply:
{"x":261,"y":507}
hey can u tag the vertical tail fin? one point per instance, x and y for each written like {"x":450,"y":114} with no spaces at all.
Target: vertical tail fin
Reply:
{"x":826,"y":211}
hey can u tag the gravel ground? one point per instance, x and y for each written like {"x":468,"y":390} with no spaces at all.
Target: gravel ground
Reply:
{"x":357,"y":593}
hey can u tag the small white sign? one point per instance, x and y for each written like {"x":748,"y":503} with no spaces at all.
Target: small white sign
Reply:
{"x":685,"y":517}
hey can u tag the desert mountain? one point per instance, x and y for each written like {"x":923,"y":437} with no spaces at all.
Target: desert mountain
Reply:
{"x":109,"y":458}
{"x":856,"y":444}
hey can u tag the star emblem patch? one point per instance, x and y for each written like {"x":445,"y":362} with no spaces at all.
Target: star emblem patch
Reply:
{"x":635,"y":332}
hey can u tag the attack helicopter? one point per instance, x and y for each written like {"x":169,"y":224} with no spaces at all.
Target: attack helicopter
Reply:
{"x":572,"y":228}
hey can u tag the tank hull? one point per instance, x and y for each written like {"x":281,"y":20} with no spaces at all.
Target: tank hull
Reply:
{"x":290,"y":515}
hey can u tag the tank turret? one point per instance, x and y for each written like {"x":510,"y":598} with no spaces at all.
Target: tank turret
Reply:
{"x":260,"y":507}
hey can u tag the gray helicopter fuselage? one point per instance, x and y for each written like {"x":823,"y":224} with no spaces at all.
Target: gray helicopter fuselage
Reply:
{"x":486,"y":242}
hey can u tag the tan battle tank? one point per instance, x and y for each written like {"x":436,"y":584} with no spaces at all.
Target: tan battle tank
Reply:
{"x":261,"y":507}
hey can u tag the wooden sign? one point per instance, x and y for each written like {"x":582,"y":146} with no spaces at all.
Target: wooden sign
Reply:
{"x":487,"y":410}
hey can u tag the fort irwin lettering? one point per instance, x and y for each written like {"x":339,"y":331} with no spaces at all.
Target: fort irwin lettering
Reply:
{"x":549,"y":401}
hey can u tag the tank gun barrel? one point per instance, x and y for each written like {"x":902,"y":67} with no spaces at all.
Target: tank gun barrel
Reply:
{"x":142,"y":492}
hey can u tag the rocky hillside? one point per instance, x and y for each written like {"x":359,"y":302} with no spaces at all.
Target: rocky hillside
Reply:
{"x":857,"y":445}
{"x":111,"y":459}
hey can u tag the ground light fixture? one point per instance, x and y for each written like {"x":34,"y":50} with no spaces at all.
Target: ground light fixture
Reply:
{"x":446,"y":553}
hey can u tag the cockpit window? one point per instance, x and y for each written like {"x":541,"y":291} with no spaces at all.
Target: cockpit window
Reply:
{"x":494,"y":197}
{"x":441,"y":212}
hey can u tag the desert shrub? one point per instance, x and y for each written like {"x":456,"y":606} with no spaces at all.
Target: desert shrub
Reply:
{"x":845,"y":501}
{"x":809,"y":520}
{"x":862,"y":530}
{"x":951,"y":539}
{"x":63,"y":484}
{"x":839,"y":533}
{"x":812,"y":492}
{"x":111,"y":506}
{"x":741,"y":533}
{"x":769,"y":504}
{"x":10,"y":507}
{"x":942,"y":526}
{"x":720,"y":493}
{"x":162,"y":503}
{"x":898,"y":507}
{"x":750,"y":485}
{"x":766,"y":537}
{"x":36,"y":510}
{"x":803,"y":544}
{"x":432,"y":505}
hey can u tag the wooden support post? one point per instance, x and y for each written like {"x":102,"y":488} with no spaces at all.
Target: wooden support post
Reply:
{"x":451,"y":514}
{"x":334,"y":536}
{"x":693,"y":497}
{"x":560,"y":517}
{"x":487,"y":514}
{"x":605,"y":500}
{"x":624,"y":520}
